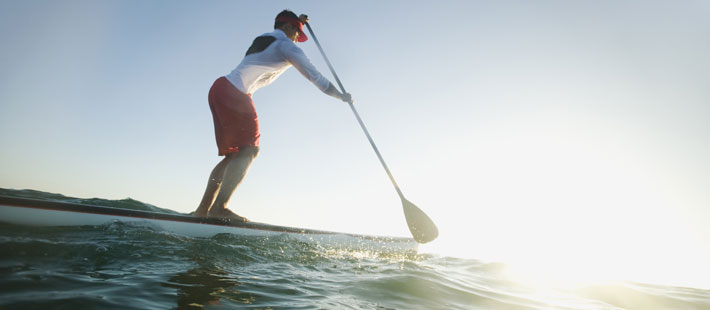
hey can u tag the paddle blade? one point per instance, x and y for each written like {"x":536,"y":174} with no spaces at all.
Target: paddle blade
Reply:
{"x":420,"y":225}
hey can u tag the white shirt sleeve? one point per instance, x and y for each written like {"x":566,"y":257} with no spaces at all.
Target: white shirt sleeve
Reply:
{"x":298,"y":59}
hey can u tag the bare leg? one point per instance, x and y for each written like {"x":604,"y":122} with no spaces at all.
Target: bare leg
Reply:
{"x":213,"y":186}
{"x":234,"y":172}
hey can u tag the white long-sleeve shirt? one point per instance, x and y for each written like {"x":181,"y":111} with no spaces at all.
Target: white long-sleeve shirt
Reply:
{"x":259,"y":69}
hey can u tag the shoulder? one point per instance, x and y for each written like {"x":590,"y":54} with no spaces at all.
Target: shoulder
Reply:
{"x":288,"y":47}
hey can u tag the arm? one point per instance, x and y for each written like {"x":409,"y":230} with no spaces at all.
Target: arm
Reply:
{"x":299,"y":60}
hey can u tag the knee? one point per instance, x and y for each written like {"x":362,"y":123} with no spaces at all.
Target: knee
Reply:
{"x":251,"y":151}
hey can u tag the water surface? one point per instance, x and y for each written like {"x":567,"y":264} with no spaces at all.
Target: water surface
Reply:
{"x":128,"y":266}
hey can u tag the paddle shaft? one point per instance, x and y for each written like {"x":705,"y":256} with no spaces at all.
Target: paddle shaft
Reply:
{"x":357,"y":115}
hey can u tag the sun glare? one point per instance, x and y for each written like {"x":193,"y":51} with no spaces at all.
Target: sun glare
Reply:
{"x":560,"y":210}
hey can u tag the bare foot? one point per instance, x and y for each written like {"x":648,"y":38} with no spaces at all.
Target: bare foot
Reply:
{"x":199,"y":213}
{"x":227,"y":214}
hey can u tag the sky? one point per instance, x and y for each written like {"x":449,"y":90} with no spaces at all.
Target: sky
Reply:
{"x":568,"y":137}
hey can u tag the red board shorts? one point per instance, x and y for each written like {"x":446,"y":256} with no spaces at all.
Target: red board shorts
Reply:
{"x":235,"y":122}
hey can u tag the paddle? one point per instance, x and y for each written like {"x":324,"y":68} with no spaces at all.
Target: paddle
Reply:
{"x":420,"y":225}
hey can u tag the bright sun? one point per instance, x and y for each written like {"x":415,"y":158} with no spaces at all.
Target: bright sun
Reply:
{"x":561,"y":207}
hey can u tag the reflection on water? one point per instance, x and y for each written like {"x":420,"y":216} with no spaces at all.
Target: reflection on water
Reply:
{"x":205,"y":285}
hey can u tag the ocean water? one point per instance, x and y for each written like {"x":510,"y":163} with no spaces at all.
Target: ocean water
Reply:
{"x":124,"y":266}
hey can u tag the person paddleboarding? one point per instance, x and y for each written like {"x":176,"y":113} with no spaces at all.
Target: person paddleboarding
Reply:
{"x":235,"y":120}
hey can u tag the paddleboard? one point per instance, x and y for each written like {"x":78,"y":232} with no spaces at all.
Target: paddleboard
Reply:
{"x":36,"y":212}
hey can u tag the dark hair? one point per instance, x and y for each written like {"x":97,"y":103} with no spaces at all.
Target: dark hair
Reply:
{"x":284,"y":13}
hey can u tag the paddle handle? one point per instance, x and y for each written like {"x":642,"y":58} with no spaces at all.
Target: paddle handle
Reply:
{"x":357,"y":115}
{"x":327,"y":61}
